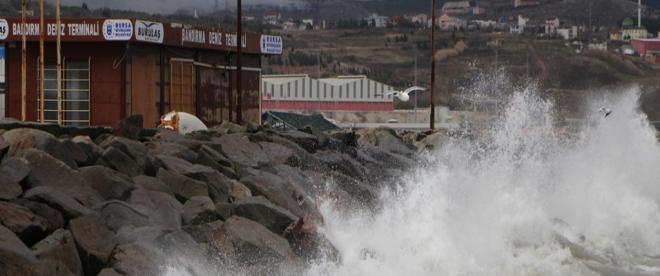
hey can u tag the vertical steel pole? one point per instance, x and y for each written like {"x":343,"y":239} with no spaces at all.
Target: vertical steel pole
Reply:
{"x":239,"y":65}
{"x":58,"y":23}
{"x":23,"y":62}
{"x":42,"y":75}
{"x":433,"y":67}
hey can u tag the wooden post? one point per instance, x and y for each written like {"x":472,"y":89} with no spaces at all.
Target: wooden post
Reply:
{"x":433,"y":66}
{"x":42,"y":70}
{"x":23,"y":62}
{"x":58,"y":72}
{"x":239,"y":65}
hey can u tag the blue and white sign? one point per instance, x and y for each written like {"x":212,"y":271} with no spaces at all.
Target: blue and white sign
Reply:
{"x":271,"y":44}
{"x":147,"y":31}
{"x":4,"y":29}
{"x":118,"y":29}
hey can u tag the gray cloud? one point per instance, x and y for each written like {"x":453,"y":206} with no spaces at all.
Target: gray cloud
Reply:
{"x":170,"y":6}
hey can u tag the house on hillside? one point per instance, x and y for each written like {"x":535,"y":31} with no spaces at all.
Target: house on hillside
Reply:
{"x":518,"y":27}
{"x":568,"y":33}
{"x":272,"y":18}
{"x":420,"y":18}
{"x":378,"y":21}
{"x":449,"y":23}
{"x":634,"y":33}
{"x":462,"y":8}
{"x":551,"y":25}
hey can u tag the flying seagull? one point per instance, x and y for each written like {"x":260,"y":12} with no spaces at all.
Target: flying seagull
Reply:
{"x":405,"y":95}
{"x":606,"y":111}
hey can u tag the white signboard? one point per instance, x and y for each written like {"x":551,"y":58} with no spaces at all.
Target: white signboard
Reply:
{"x":271,"y":44}
{"x":147,"y":31}
{"x":118,"y":29}
{"x":4,"y":29}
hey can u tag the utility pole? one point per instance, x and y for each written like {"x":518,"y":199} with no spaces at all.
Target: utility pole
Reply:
{"x":42,"y":70}
{"x":58,"y":23}
{"x":239,"y":66}
{"x":23,"y":62}
{"x":639,"y":14}
{"x":433,"y":67}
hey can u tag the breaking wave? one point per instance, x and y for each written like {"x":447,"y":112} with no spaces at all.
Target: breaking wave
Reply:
{"x":525,"y":199}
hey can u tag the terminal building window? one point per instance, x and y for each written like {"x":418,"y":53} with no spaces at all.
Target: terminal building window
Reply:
{"x":74,"y":108}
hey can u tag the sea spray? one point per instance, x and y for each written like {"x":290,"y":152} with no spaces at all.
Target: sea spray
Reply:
{"x":496,"y":205}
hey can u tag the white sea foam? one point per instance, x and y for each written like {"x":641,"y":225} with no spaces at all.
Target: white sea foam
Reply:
{"x":495,"y":205}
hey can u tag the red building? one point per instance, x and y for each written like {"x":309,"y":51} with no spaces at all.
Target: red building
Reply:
{"x":114,"y":68}
{"x":648,"y":49}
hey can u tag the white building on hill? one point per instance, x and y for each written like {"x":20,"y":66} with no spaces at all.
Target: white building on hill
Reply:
{"x":347,"y":93}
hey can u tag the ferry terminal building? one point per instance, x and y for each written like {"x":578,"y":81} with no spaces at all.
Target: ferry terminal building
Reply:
{"x":115,"y":68}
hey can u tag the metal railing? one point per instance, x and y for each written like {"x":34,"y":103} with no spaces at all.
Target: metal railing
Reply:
{"x":74,"y":107}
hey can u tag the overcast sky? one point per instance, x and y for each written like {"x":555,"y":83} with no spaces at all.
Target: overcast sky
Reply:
{"x":169,"y":6}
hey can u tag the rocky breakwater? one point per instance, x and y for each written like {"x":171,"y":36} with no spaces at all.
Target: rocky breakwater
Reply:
{"x":230,"y":199}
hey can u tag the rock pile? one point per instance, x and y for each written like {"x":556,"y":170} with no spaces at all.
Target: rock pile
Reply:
{"x":229,"y":197}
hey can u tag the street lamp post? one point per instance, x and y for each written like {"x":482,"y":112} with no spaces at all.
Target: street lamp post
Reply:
{"x":433,"y":66}
{"x":239,"y":65}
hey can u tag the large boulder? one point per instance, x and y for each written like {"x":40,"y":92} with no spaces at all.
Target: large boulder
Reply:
{"x":240,"y":150}
{"x":78,"y":153}
{"x":15,"y":257}
{"x":253,"y":244}
{"x":12,"y":172}
{"x":60,"y":247}
{"x":134,"y":149}
{"x":54,"y":218}
{"x":145,"y":234}
{"x":162,"y":209}
{"x":212,"y":159}
{"x":119,"y":214}
{"x":277,"y":153}
{"x":198,"y":210}
{"x":261,"y":210}
{"x":343,"y":163}
{"x":309,"y":142}
{"x":94,"y":240}
{"x":108,"y":183}
{"x":59,"y":200}
{"x":152,"y":184}
{"x":184,"y":167}
{"x":136,"y":259}
{"x":130,"y":127}
{"x":121,"y":162}
{"x":22,"y":139}
{"x":281,"y":193}
{"x":20,"y":220}
{"x":50,"y":172}
{"x":181,"y":248}
{"x":386,"y":139}
{"x":183,"y":187}
{"x":177,"y":150}
{"x":91,"y":149}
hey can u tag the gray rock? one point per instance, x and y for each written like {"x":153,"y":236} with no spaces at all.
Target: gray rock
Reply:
{"x":60,"y":247}
{"x":50,"y":172}
{"x":95,"y":242}
{"x":109,"y":272}
{"x":14,"y":170}
{"x":239,"y":149}
{"x":20,"y":220}
{"x":183,"y":187}
{"x":228,"y":128}
{"x":343,"y":163}
{"x":59,"y":200}
{"x":162,"y":209}
{"x":212,"y":159}
{"x":307,"y":141}
{"x":175,"y":150}
{"x":152,"y":184}
{"x":183,"y":248}
{"x":254,"y":244}
{"x":121,"y":162}
{"x":203,"y":233}
{"x":219,"y":186}
{"x":136,"y":259}
{"x":108,"y":183}
{"x":22,"y":139}
{"x":184,"y":167}
{"x":386,"y":139}
{"x":118,"y":214}
{"x":224,"y":210}
{"x":198,"y":210}
{"x":15,"y":257}
{"x":145,"y":234}
{"x":261,"y":210}
{"x":54,"y":218}
{"x":281,"y":193}
{"x":277,"y":153}
{"x":134,"y":149}
{"x":77,"y":153}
